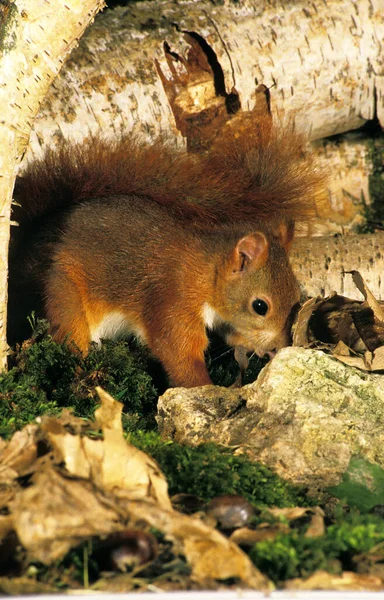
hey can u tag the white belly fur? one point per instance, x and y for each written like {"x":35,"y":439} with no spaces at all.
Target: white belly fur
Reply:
{"x":115,"y":325}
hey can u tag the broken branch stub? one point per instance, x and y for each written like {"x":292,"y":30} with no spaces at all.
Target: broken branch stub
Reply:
{"x":197,"y":95}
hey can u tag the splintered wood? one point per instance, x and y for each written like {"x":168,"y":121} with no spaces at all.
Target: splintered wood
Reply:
{"x":200,"y":103}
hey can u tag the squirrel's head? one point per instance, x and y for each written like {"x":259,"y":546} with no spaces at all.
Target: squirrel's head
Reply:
{"x":257,"y":292}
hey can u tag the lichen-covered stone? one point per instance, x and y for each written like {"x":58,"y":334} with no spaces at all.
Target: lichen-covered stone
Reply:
{"x":305,"y":416}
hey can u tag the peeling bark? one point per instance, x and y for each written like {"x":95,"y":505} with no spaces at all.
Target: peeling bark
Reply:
{"x":35,"y":39}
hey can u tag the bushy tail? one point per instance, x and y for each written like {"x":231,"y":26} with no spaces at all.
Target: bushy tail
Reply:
{"x":258,"y":175}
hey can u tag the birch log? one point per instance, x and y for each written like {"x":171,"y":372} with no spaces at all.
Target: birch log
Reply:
{"x":322,"y":264}
{"x":326,"y":58}
{"x":35,"y":38}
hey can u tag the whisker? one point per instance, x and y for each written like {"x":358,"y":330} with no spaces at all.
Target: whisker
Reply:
{"x":221,"y":355}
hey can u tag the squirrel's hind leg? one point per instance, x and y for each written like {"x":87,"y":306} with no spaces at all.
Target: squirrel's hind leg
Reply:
{"x":65,"y":307}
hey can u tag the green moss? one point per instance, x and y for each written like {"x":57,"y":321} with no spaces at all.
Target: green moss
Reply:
{"x":209,"y":470}
{"x":21,"y":401}
{"x":294,"y":555}
{"x":374,"y":213}
{"x":46,"y":376}
{"x":9,"y":18}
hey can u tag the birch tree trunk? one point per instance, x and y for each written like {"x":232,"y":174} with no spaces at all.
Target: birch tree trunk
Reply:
{"x":35,"y":38}
{"x":326,"y":58}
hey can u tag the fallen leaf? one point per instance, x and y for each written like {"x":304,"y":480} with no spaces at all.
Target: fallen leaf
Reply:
{"x":70,"y":448}
{"x":378,"y":359}
{"x":369,"y":297}
{"x":316,"y":527}
{"x":341,"y":349}
{"x":18,"y":456}
{"x":248,"y":537}
{"x":56,"y":513}
{"x":24,"y":586}
{"x":123,"y":465}
{"x":322,"y":580}
{"x":300,"y":336}
{"x":290,"y":514}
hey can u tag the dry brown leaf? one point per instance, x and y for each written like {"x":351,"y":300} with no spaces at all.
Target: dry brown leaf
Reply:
{"x":316,"y":528}
{"x":369,"y":297}
{"x":111,"y":462}
{"x":290,"y":513}
{"x":322,"y":580}
{"x":55,"y":513}
{"x":70,"y":449}
{"x":300,"y":336}
{"x":248,"y":537}
{"x":24,"y":586}
{"x":352,"y":361}
{"x":124,"y":466}
{"x":371,"y":361}
{"x":18,"y":455}
{"x":378,"y":359}
{"x":341,"y":349}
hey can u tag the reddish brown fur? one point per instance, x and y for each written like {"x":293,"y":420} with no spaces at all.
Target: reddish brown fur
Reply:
{"x":120,"y":235}
{"x":248,"y":177}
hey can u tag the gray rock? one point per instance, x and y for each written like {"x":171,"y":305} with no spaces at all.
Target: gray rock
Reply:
{"x":305,"y":416}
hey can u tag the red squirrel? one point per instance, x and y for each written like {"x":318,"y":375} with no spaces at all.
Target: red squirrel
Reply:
{"x":120,"y":237}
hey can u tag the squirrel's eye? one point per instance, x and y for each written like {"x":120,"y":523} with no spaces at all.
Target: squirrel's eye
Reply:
{"x":260,"y":307}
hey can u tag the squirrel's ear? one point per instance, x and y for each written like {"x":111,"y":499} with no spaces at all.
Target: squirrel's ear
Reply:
{"x":251,"y":250}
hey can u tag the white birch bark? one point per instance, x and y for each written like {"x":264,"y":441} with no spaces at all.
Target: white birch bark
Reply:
{"x":35,"y":38}
{"x":322,"y":264}
{"x":326,"y":58}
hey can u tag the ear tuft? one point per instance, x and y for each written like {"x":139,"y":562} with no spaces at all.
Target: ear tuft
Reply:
{"x":251,"y":250}
{"x":285,"y":233}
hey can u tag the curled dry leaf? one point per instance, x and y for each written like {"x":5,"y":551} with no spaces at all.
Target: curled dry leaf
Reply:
{"x":111,"y":462}
{"x":322,"y":580}
{"x":290,"y":513}
{"x":18,"y":456}
{"x":370,"y":298}
{"x":55,"y":514}
{"x":301,"y":328}
{"x":249,"y":537}
{"x":316,"y":528}
{"x":352,"y":331}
